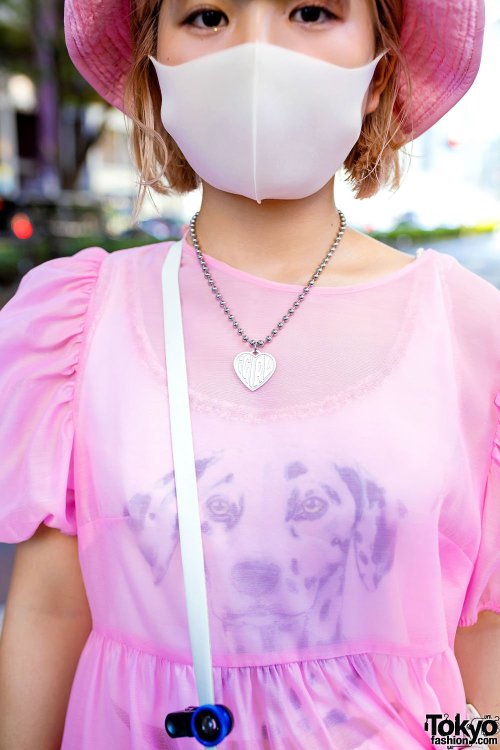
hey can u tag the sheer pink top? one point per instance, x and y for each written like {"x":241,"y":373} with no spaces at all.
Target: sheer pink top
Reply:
{"x":350,"y":507}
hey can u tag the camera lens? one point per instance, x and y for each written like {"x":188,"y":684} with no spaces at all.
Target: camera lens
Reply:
{"x":211,"y":723}
{"x":207,"y":725}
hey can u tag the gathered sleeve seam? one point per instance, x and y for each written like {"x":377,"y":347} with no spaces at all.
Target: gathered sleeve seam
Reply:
{"x":495,"y":450}
{"x":494,"y":455}
{"x":86,"y":325}
{"x":467,"y":620}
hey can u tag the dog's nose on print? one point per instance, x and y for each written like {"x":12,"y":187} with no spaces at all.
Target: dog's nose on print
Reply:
{"x":255,"y":578}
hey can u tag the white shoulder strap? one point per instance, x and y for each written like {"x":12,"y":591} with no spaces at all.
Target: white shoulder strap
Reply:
{"x":185,"y":477}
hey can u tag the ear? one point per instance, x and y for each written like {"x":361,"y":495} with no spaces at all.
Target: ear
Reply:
{"x":379,"y":81}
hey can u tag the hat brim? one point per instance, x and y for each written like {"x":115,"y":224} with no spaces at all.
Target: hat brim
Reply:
{"x":441,"y":40}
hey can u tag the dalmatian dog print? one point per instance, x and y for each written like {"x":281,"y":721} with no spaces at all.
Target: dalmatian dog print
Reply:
{"x":276,"y":548}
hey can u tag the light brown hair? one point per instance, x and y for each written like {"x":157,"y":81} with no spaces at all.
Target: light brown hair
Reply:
{"x":373,"y":162}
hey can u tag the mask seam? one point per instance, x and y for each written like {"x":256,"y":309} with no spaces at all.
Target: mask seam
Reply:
{"x":254,"y":122}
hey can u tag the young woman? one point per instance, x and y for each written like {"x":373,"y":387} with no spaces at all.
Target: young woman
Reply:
{"x":345,"y":401}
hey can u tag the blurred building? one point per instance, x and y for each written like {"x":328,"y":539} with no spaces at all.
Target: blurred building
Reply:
{"x":110,"y":171}
{"x":453,"y":174}
{"x":17,"y":132}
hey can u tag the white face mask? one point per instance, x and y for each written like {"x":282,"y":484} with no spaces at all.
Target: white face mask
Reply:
{"x":264,"y":121}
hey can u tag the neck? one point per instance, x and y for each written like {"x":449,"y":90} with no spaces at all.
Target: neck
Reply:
{"x":283,"y":240}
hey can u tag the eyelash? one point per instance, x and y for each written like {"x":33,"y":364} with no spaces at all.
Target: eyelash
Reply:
{"x":189,"y":20}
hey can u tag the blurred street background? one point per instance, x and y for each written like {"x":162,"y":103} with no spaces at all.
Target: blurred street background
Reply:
{"x":67,"y":179}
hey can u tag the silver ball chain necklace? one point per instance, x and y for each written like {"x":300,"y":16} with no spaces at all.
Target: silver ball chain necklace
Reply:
{"x":255,"y":368}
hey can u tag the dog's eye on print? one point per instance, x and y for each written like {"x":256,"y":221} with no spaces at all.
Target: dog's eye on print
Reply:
{"x":306,"y":508}
{"x":221,"y":509}
{"x":218,"y":506}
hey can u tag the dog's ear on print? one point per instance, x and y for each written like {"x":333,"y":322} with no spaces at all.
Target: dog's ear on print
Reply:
{"x":374,"y":528}
{"x":142,"y":502}
{"x":137,"y":507}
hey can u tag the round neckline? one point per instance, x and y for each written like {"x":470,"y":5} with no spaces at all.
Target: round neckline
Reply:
{"x":221,"y":265}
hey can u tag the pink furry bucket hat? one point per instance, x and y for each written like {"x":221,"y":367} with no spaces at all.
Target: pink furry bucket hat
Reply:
{"x":441,"y":40}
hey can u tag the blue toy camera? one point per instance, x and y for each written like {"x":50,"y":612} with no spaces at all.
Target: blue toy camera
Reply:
{"x":209,"y":723}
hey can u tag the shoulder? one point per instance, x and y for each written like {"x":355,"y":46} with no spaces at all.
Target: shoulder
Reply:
{"x":59,"y":285}
{"x":43,"y":324}
{"x":126,"y":254}
{"x":473,"y":306}
{"x":138,"y":261}
{"x":74,"y":274}
{"x":467,"y":292}
{"x":471,"y":302}
{"x":363,"y":258}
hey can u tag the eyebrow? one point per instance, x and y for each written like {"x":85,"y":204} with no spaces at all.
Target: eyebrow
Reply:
{"x":228,"y":479}
{"x":345,"y":4}
{"x":295,"y":469}
{"x":331,"y":493}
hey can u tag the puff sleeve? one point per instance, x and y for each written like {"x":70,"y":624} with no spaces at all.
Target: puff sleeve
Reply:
{"x":41,"y":330}
{"x":483,"y":591}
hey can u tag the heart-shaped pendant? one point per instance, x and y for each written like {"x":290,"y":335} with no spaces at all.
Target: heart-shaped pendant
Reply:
{"x":254,"y":368}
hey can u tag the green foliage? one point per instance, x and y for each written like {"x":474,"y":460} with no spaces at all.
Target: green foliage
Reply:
{"x":17,"y":256}
{"x":415,"y":235}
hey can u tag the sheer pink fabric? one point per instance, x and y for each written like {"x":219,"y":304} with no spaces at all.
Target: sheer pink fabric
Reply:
{"x":350,"y":507}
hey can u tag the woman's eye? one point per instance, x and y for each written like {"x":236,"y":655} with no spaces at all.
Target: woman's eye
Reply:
{"x":312,"y":12}
{"x":212,"y":18}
